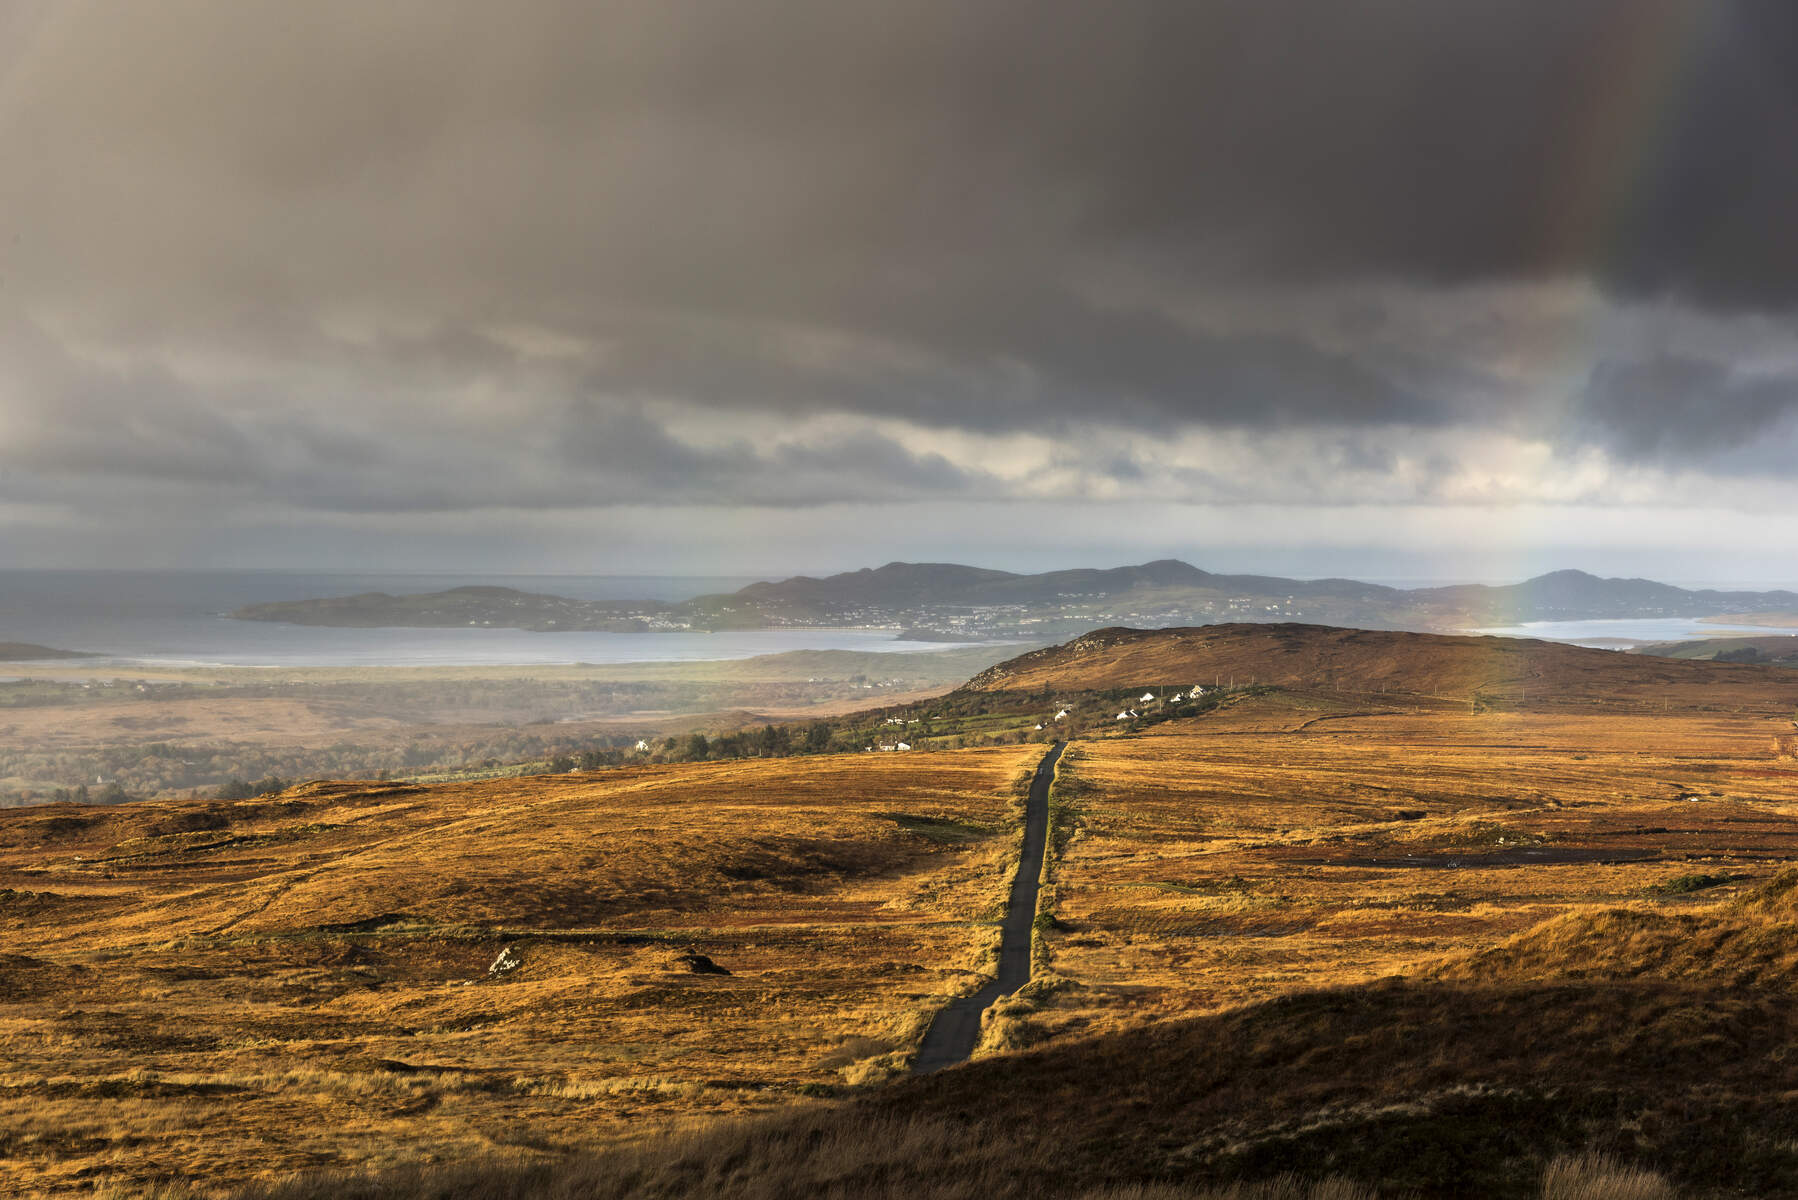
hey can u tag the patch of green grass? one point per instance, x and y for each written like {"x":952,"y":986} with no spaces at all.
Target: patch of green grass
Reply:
{"x":1685,"y":885}
{"x":941,"y":830}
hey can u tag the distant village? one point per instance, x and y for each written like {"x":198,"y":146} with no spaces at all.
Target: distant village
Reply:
{"x":1068,"y":615}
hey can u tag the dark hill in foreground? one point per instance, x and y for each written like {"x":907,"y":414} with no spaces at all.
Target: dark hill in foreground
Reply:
{"x":1429,"y":1090}
{"x":1357,"y":660}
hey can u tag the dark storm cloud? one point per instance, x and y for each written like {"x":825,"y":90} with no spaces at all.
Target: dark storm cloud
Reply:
{"x":344,"y":253}
{"x":1683,"y":409}
{"x":1019,"y":361}
{"x":97,"y":437}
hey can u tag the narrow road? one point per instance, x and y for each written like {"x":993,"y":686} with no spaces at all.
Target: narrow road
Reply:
{"x":951,"y":1037}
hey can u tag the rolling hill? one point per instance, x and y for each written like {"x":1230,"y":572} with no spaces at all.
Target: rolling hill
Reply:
{"x":1454,"y":668}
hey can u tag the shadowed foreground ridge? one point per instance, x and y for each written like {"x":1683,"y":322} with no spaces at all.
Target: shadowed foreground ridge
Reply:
{"x":1428,"y":1089}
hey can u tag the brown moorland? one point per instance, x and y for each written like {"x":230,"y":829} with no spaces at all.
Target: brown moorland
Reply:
{"x":1292,"y":841}
{"x":1401,"y":940}
{"x":1467,"y":670}
{"x":213,"y":991}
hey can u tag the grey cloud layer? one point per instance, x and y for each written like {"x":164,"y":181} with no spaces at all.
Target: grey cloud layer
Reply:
{"x":250,"y":245}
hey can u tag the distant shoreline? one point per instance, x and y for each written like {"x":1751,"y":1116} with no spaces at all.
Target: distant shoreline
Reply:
{"x":785,"y":664}
{"x":31,"y":652}
{"x":1764,"y":620}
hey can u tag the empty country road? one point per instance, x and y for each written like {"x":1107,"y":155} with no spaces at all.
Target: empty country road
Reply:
{"x":953,"y":1034}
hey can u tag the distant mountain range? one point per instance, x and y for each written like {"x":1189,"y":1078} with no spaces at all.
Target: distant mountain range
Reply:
{"x":948,"y":601}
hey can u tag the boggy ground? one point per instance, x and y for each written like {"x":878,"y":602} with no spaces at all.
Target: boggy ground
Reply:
{"x":1403,"y":951}
{"x":1311,"y":840}
{"x":214,"y":991}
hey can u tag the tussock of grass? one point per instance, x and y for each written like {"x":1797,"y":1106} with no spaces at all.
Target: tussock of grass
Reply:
{"x":1595,"y":1177}
{"x":1685,"y":885}
{"x":1749,"y":943}
{"x":1286,"y":1187}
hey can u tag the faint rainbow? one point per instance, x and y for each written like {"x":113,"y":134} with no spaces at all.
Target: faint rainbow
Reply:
{"x":1617,"y":136}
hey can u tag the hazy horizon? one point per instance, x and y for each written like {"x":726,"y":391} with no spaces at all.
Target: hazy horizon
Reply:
{"x":448,"y":574}
{"x":436,"y":577}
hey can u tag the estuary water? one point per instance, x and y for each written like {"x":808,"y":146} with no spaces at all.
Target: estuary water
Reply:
{"x":1629,"y":631}
{"x":176,"y":618}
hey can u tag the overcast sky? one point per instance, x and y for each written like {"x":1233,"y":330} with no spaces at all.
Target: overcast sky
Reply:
{"x":1466,"y":287}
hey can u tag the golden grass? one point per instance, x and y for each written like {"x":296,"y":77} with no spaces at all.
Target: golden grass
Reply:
{"x":864,"y":1157}
{"x":1425,"y":1092}
{"x":1299,"y":841}
{"x":1582,"y":903}
{"x":302,"y":980}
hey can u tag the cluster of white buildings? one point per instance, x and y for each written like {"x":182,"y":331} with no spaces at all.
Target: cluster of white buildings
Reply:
{"x":1130,"y":714}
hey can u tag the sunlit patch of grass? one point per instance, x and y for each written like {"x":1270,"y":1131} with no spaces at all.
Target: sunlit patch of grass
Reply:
{"x":1260,"y":849}
{"x":327,"y":997}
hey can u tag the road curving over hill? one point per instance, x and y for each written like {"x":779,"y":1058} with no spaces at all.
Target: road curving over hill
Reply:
{"x":955,"y":1031}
